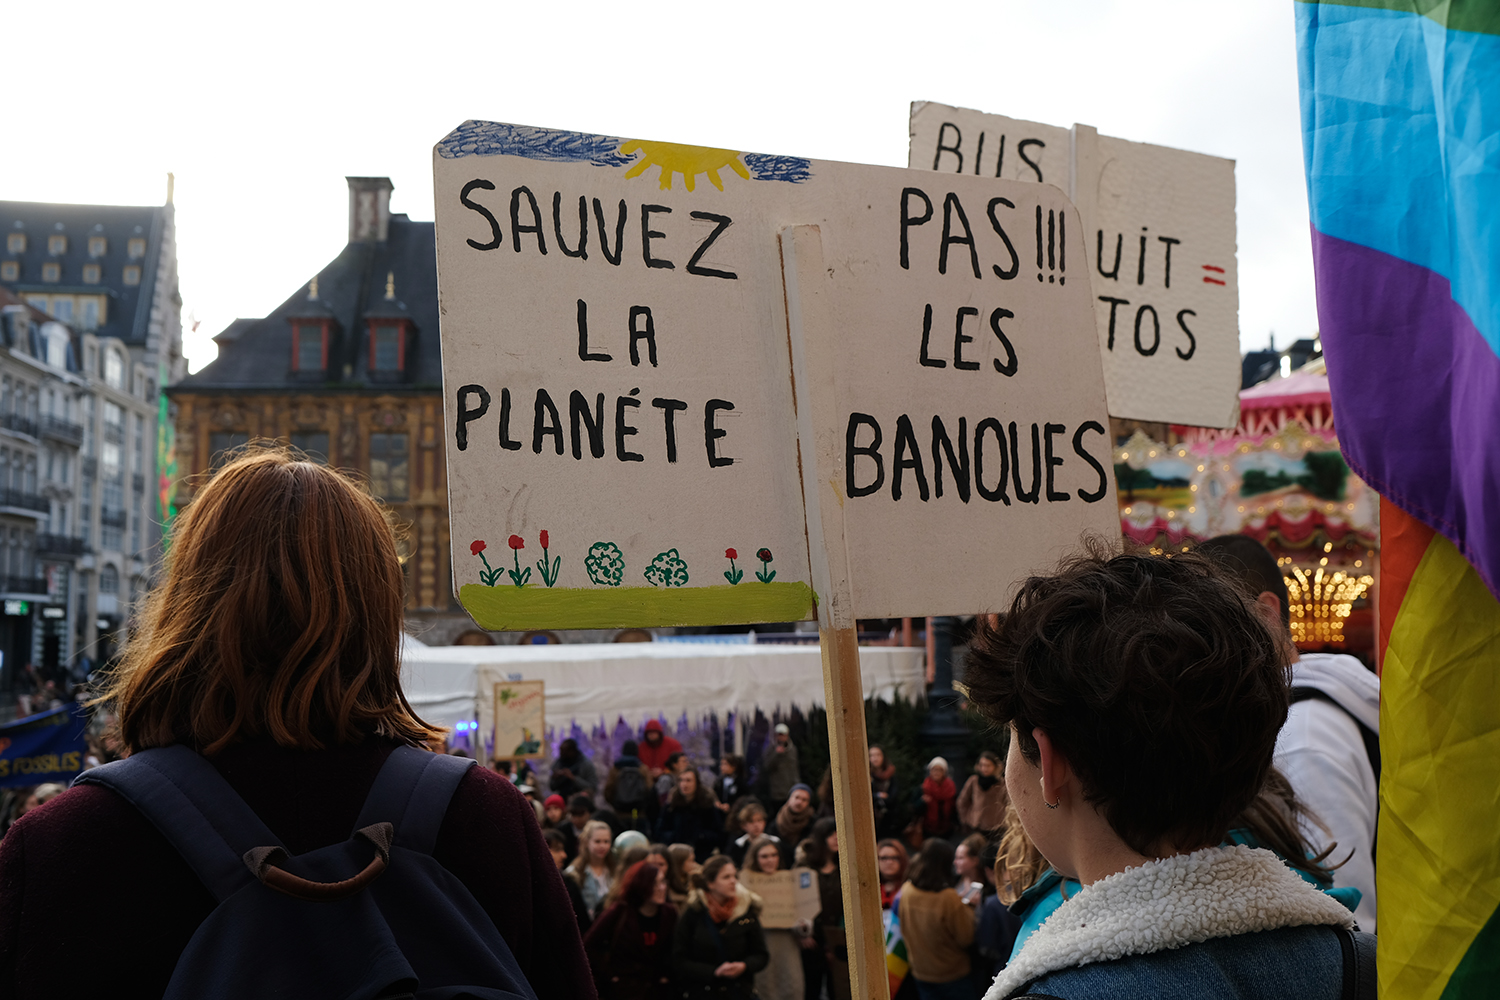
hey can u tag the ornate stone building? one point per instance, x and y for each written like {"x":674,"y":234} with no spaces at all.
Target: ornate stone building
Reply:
{"x":91,"y":332}
{"x":349,"y":370}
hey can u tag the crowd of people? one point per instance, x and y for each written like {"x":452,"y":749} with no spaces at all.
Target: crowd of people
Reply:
{"x":1152,"y":797}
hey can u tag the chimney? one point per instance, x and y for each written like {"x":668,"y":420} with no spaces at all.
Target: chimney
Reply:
{"x":369,"y":209}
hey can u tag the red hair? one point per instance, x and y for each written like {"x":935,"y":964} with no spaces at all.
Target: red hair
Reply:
{"x":280,"y":617}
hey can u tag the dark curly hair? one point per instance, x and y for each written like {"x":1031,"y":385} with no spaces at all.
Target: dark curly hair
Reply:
{"x":1154,"y":677}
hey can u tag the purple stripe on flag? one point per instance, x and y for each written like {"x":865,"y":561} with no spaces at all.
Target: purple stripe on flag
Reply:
{"x":1416,"y":394}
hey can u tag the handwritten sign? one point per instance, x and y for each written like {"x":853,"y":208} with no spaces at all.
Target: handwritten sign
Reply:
{"x":520,"y":719}
{"x":624,"y":442}
{"x":787,"y":897}
{"x":1160,"y":251}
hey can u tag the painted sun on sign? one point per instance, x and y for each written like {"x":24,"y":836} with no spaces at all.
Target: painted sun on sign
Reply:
{"x":689,"y":161}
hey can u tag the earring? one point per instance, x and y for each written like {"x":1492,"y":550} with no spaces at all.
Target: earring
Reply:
{"x":1050,"y":805}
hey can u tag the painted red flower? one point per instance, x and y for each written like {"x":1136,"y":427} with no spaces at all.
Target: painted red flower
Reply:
{"x":764,"y":555}
{"x":731,"y":554}
{"x":517,"y":542}
{"x":476,"y":548}
{"x":544,"y":538}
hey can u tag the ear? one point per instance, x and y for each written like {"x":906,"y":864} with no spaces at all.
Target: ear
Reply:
{"x":1057,"y":776}
{"x":1269,"y":606}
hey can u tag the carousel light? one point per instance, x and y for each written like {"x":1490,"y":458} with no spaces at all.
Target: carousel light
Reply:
{"x":1192,"y":510}
{"x":1327,"y":546}
{"x":1358,"y":563}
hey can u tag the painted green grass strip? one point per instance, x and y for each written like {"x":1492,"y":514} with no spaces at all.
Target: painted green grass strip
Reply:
{"x":511,"y":609}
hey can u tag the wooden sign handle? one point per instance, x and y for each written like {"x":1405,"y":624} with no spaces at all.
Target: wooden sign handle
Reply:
{"x":811,"y":331}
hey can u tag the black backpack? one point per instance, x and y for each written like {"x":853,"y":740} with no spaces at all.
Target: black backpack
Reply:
{"x":373,"y":917}
{"x":632,"y":790}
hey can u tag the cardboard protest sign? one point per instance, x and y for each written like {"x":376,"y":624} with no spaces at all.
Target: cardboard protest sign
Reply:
{"x":620,"y":398}
{"x":787,"y":897}
{"x":1159,"y":235}
{"x":520,"y":719}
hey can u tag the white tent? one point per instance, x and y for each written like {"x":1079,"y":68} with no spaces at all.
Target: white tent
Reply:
{"x":589,"y":683}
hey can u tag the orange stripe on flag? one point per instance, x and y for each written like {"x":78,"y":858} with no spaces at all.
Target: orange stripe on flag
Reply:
{"x":1403,"y":542}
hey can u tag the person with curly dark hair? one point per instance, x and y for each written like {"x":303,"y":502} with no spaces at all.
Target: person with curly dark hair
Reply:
{"x":1143,"y":697}
{"x":630,"y":945}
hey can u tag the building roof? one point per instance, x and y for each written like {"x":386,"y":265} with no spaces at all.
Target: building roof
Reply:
{"x":351,"y":289}
{"x":128,"y":314}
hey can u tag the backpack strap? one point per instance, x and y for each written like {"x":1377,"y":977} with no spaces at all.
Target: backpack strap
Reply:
{"x":412,"y":793}
{"x":1370,"y":738}
{"x":191,"y":804}
{"x":1359,"y":964}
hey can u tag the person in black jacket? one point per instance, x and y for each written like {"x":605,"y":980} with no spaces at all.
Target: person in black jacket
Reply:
{"x":558,"y":846}
{"x":692,"y":817}
{"x":719,"y":946}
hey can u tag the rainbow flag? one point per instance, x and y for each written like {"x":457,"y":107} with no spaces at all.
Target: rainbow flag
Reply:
{"x":896,"y":963}
{"x":1401,"y":126}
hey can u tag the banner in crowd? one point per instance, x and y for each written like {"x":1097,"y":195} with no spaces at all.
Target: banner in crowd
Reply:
{"x":619,"y":393}
{"x":1401,"y":131}
{"x":520,"y":719}
{"x":1159,"y":250}
{"x":42,"y":748}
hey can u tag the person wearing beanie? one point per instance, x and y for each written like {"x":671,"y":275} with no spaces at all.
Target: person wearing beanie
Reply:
{"x":555,"y":817}
{"x":629,"y":791}
{"x":939,"y":796}
{"x":793,"y":818}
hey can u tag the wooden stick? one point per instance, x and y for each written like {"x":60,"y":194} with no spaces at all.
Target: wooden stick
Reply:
{"x":810,"y":328}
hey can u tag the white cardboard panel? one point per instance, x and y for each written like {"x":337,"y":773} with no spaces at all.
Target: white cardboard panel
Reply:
{"x":510,"y":321}
{"x":1160,"y":242}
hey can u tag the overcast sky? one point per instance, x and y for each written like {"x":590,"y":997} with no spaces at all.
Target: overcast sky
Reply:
{"x":261,"y":110}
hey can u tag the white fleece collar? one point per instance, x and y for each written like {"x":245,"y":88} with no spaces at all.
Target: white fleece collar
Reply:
{"x":1213,"y":893}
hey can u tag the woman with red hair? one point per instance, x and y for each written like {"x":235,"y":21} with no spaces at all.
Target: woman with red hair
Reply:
{"x":630,"y":945}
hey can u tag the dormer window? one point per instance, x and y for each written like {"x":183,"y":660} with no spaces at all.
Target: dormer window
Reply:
{"x":136,"y":249}
{"x":10,"y":270}
{"x":387,"y":345}
{"x":51,"y":272}
{"x":15,"y":242}
{"x":309,"y":345}
{"x":57,"y":245}
{"x":91,"y":274}
{"x":132,"y":275}
{"x":98,"y":246}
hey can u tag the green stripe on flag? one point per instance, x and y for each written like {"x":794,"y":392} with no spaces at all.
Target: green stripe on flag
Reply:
{"x":1478,"y":975}
{"x":1481,"y":16}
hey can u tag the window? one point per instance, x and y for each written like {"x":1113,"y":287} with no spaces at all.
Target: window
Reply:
{"x":91,"y":274}
{"x":140,"y":444}
{"x":62,"y":305}
{"x":221,"y":443}
{"x":109,"y":580}
{"x":136,"y":248}
{"x":310,"y":344}
{"x":37,"y":302}
{"x":51,"y":272}
{"x":98,"y":245}
{"x":114,"y":373}
{"x":90,"y":362}
{"x":388,"y":479}
{"x":10,"y":271}
{"x":57,"y":245}
{"x":387,"y":353}
{"x":57,"y":347}
{"x":15,"y":242}
{"x":90,"y":311}
{"x":312,"y":444}
{"x":132,"y":275}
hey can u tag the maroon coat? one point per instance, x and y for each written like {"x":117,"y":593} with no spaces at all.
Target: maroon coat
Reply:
{"x":95,"y":902}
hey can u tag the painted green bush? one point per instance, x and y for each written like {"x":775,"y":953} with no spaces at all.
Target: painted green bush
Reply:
{"x":667,"y":570}
{"x":606,"y":564}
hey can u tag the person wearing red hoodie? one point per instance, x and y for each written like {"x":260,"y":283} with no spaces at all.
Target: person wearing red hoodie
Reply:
{"x":655,"y":747}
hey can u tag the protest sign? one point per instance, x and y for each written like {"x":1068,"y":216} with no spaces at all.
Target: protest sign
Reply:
{"x":1159,"y":233}
{"x":669,"y":366}
{"x":620,"y":399}
{"x":520,"y":719}
{"x":41,"y":748}
{"x":787,"y":897}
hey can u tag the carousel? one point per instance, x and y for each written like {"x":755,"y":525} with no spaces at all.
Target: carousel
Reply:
{"x":1279,"y":477}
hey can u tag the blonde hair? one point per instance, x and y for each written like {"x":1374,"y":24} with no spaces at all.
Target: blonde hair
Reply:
{"x":580,"y":865}
{"x":280,"y":616}
{"x":1019,"y":864}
